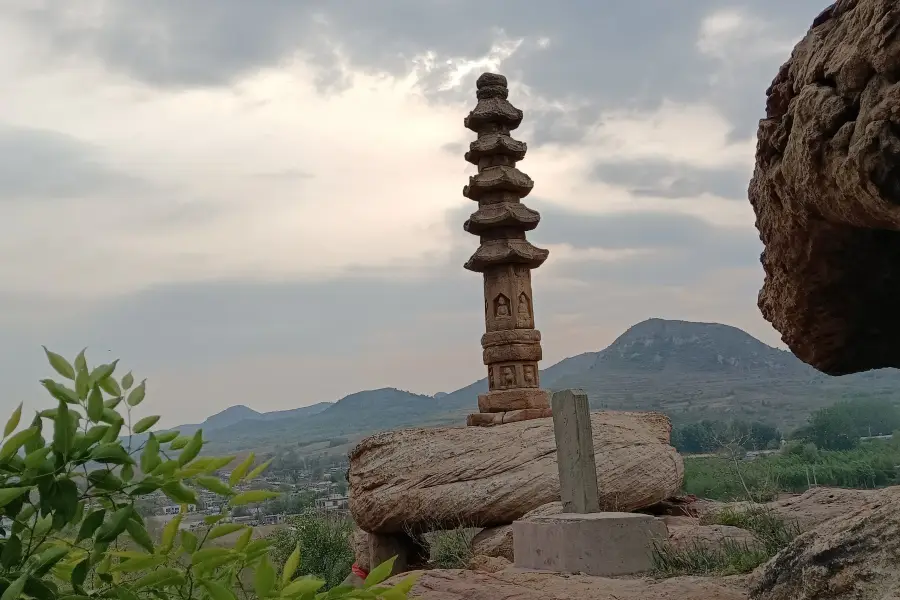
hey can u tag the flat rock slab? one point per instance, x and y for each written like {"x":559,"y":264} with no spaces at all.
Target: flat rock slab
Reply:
{"x":516,"y":585}
{"x":600,"y":544}
{"x":443,"y":478}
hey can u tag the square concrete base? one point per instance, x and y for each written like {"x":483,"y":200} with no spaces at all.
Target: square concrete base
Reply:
{"x":598,"y":544}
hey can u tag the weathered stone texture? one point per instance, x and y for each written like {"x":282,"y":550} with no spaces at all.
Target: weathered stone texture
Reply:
{"x":826,"y":191}
{"x":512,"y":345}
{"x":431,"y":479}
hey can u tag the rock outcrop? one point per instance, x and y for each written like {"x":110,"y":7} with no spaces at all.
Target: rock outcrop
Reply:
{"x":851,"y":556}
{"x":429,"y":479}
{"x":511,"y":584}
{"x":826,"y":191}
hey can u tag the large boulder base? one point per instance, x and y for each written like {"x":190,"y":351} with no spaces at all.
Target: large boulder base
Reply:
{"x":851,"y":556}
{"x":826,"y":191}
{"x":512,"y":584}
{"x":428,"y":479}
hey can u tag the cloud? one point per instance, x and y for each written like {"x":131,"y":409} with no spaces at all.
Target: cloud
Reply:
{"x":261,"y":202}
{"x":39,"y":165}
{"x":663,"y":179}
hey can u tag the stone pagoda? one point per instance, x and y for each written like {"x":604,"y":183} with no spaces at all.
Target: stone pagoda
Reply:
{"x":512,"y":346}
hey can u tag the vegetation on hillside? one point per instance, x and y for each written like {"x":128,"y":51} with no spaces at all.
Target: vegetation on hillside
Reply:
{"x":69,"y":486}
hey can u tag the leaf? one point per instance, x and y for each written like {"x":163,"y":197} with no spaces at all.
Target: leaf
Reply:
{"x":264,"y":579}
{"x":34,"y":459}
{"x":147,"y":485}
{"x":208,"y":554}
{"x":166,"y":436}
{"x":166,"y":468}
{"x":8,"y":494}
{"x":112,"y":434}
{"x":111,"y":453}
{"x":136,"y":396}
{"x":15,"y":589}
{"x":150,"y":456}
{"x":48,"y":558}
{"x":127,"y":380}
{"x":12,"y":552}
{"x":95,"y":434}
{"x":81,"y":361}
{"x":11,"y":446}
{"x":405,"y":585}
{"x":258,"y":470}
{"x":36,"y":442}
{"x":79,"y":573}
{"x":139,"y":534}
{"x":192,"y":449}
{"x":242,"y":541}
{"x":125,"y":594}
{"x":64,"y":499}
{"x":210,"y":464}
{"x":238,"y":473}
{"x":103,"y":371}
{"x":82,"y":384}
{"x":110,"y":530}
{"x":179,"y":493}
{"x":145,"y":424}
{"x":169,"y":531}
{"x":138,"y":564}
{"x":180,"y":442}
{"x":59,"y":364}
{"x":127,"y":473}
{"x":158,"y":577}
{"x":110,"y":386}
{"x":216,"y":590}
{"x":188,"y":541}
{"x":380,"y":573}
{"x":62,"y":434}
{"x":60,"y":392}
{"x":215,"y":485}
{"x":95,"y":405}
{"x":13,"y":421}
{"x":303,"y":585}
{"x":112,"y":403}
{"x":213,"y":519}
{"x":90,"y":524}
{"x":252,"y":497}
{"x":291,"y":565}
{"x":104,"y":480}
{"x":224,"y":529}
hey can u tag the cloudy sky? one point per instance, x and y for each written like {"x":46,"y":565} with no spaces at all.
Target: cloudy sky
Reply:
{"x":260,"y":202}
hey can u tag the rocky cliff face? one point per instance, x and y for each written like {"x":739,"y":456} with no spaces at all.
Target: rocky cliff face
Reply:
{"x":826,"y":190}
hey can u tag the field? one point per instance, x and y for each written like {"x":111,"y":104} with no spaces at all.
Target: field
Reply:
{"x":873,"y":464}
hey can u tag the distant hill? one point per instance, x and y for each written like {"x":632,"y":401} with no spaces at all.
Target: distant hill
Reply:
{"x":690,"y":371}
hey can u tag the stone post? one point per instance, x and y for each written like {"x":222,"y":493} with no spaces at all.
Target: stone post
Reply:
{"x":575,"y":452}
{"x":512,"y":345}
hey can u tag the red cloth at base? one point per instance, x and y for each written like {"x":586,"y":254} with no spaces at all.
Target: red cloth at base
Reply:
{"x":359,"y":572}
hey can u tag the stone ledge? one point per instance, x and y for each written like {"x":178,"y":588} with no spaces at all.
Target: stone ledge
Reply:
{"x":502,"y":401}
{"x":510,"y":416}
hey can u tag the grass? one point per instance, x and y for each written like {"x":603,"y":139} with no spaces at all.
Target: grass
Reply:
{"x":731,"y":557}
{"x":452,"y":548}
{"x":873,"y":464}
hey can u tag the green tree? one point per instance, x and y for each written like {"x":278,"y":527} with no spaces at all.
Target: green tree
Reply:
{"x":70,"y":487}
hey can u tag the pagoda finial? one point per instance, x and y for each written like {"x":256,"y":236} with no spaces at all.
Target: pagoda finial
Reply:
{"x":512,"y":346}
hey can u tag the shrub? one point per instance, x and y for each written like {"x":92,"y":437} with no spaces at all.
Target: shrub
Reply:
{"x":70,"y":503}
{"x":324,"y":542}
{"x":452,"y":548}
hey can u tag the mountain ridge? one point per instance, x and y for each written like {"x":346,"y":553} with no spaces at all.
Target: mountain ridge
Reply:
{"x":688,"y":370}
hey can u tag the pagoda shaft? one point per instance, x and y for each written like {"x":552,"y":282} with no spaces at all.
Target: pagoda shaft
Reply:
{"x":511,"y":344}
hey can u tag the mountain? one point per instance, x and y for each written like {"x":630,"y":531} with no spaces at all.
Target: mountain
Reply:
{"x":688,"y":370}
